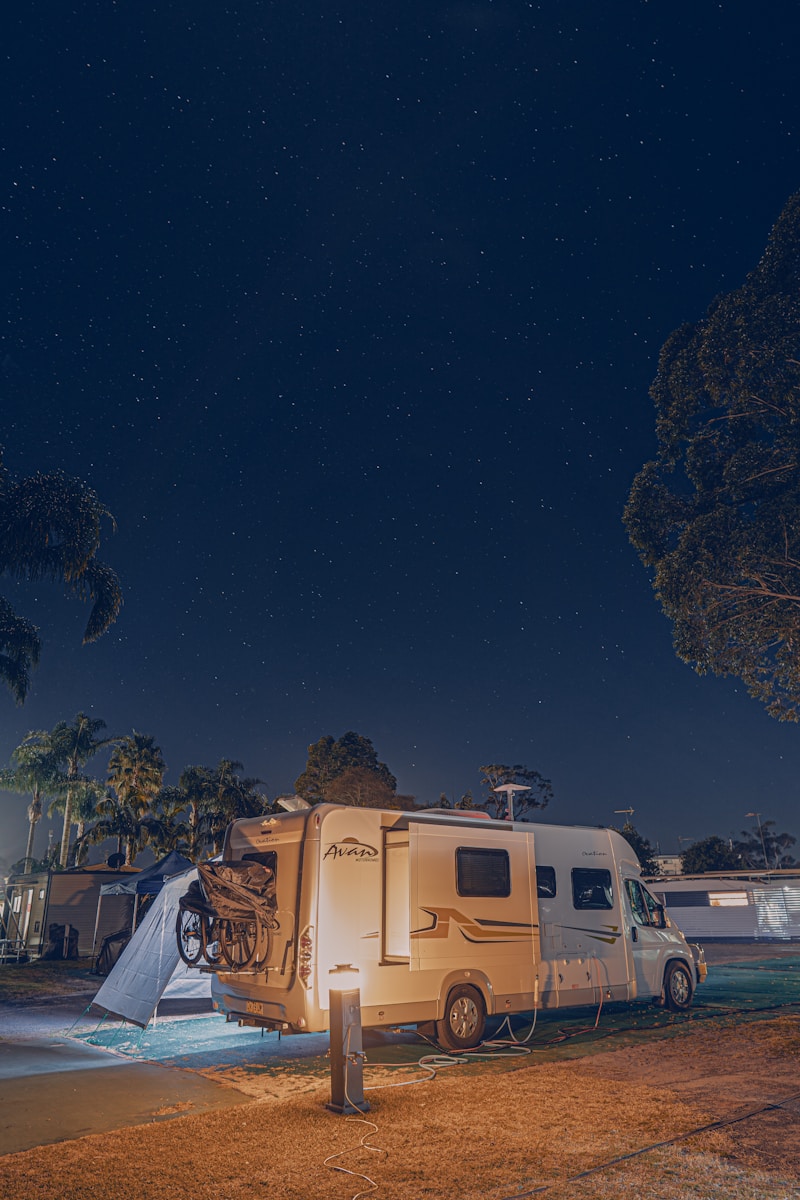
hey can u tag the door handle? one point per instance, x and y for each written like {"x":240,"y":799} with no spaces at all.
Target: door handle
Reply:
{"x":634,"y":934}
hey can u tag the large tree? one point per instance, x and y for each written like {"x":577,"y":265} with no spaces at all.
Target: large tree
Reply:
{"x":716,"y":516}
{"x":50,"y":529}
{"x":329,"y":759}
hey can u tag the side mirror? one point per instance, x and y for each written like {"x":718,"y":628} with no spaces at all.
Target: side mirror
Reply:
{"x":660,"y":917}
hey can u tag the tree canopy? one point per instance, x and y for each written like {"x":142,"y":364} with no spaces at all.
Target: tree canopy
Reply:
{"x":346,"y":770}
{"x":710,"y":854}
{"x":763,"y":846}
{"x":50,"y":529}
{"x":716,"y":516}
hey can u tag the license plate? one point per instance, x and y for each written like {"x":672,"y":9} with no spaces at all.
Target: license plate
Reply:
{"x":254,"y":1006}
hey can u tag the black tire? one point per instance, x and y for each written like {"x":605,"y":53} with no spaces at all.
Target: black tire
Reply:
{"x":189,"y":932}
{"x":464,"y":1020}
{"x":211,"y":947}
{"x":264,"y":944}
{"x":239,"y":942}
{"x":678,"y":987}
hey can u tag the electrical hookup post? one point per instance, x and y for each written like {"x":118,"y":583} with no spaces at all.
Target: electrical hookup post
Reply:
{"x":347,"y":1053}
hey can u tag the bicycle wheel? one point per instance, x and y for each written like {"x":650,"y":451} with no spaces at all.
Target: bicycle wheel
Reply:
{"x":239,"y":942}
{"x":189,"y":931}
{"x":211,"y":946}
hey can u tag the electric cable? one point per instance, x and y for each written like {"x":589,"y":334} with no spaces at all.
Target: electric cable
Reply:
{"x":363,"y":1143}
{"x":679,"y":1137}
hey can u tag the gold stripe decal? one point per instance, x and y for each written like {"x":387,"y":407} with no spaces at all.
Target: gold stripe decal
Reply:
{"x":472,"y":930}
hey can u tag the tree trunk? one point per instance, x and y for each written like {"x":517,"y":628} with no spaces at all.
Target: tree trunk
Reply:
{"x":34,"y":816}
{"x":66,"y":832}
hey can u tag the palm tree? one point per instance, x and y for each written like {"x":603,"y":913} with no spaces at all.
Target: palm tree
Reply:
{"x":72,"y":745}
{"x":136,"y":770}
{"x":136,"y":776}
{"x":34,"y":770}
{"x":85,"y":794}
{"x":213,"y":797}
{"x":50,"y":529}
{"x":167,"y":809}
{"x":132,"y":828}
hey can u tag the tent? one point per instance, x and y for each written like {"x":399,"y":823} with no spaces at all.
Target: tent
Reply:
{"x":150,"y":966}
{"x":152,"y":879}
{"x":144,"y":883}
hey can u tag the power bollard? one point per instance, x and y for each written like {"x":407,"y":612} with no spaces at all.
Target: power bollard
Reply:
{"x":347,"y":1053}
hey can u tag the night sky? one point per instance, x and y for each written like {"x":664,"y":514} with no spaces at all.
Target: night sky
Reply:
{"x":349,"y":315}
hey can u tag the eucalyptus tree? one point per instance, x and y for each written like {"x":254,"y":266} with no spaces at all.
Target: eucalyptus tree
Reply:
{"x":33,"y":770}
{"x":762,"y":844}
{"x":716,"y":516}
{"x":50,"y":527}
{"x":72,"y":745}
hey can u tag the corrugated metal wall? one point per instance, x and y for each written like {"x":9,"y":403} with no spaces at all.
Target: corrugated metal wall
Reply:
{"x":772,"y":912}
{"x":73,"y":901}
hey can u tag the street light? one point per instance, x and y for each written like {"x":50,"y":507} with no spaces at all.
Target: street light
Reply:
{"x":761,"y":835}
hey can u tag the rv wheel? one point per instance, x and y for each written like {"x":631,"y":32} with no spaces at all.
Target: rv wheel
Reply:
{"x":464,"y":1019}
{"x":677,"y":987}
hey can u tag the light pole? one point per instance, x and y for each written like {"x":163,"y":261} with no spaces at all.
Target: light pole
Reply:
{"x":761,"y":835}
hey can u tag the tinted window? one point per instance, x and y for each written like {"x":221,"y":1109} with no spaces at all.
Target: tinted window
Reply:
{"x":591,"y":888}
{"x":482,"y":872}
{"x":546,"y":882}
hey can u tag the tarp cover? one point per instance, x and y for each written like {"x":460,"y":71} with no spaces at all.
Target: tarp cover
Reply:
{"x":238,"y":891}
{"x":151,"y":879}
{"x":150,"y":966}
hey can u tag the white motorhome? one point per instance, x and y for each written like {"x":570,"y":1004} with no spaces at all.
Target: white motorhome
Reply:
{"x":449,"y":919}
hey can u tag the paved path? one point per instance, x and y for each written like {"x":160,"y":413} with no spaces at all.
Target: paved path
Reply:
{"x":55,"y":1089}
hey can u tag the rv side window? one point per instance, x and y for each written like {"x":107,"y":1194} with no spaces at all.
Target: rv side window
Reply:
{"x":591,"y":888}
{"x":482,"y":872}
{"x":645,"y":908}
{"x":546,"y":882}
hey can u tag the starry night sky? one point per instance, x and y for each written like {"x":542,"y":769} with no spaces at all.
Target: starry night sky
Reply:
{"x":349,"y":315}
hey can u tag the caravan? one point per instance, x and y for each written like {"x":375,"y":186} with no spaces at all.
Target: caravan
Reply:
{"x":447,"y":919}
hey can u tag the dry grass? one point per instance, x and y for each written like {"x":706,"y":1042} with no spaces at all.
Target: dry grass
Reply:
{"x":489,"y":1136}
{"x":46,"y":980}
